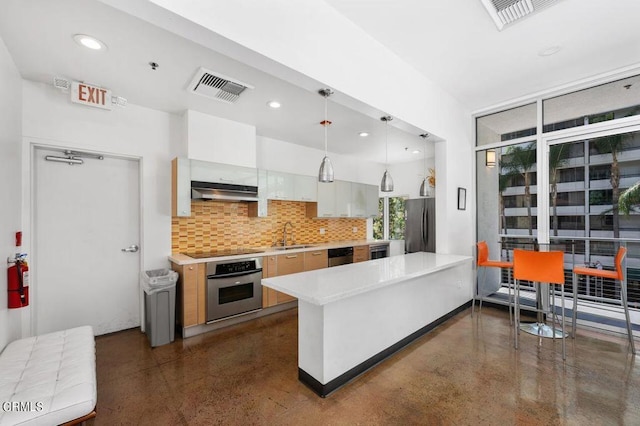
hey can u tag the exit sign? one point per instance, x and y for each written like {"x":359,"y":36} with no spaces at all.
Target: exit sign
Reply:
{"x":89,"y":95}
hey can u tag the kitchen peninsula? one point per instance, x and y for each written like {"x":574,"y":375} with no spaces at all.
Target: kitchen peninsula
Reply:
{"x":353,"y":316}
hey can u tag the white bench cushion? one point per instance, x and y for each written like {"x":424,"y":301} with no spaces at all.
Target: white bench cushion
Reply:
{"x":53,"y":376}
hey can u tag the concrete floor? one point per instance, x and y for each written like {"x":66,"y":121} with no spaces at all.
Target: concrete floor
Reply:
{"x":463,"y":372}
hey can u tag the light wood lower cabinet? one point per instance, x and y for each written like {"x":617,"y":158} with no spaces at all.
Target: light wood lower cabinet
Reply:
{"x":289,"y":263}
{"x":191,"y":294}
{"x":360,"y":254}
{"x":269,"y":269}
{"x":316,"y":259}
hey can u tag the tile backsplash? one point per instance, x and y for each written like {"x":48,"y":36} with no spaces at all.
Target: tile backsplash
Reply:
{"x":216,"y":225}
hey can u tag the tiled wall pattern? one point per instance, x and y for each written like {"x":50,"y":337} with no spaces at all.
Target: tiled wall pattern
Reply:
{"x":215,"y":225}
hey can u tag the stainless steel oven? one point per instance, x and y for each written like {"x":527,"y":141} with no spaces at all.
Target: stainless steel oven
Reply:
{"x":233,"y":287}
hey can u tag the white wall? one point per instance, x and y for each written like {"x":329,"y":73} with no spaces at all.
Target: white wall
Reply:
{"x":407,"y":177}
{"x":10,"y":207}
{"x":49,"y":118}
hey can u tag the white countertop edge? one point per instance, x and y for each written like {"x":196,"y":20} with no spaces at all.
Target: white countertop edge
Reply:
{"x":181,"y":259}
{"x":269,"y":282}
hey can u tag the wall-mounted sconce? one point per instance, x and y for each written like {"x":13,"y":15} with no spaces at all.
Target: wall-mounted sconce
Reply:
{"x":490,"y":158}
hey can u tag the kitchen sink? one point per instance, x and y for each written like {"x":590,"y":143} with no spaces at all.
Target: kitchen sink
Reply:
{"x":297,"y":246}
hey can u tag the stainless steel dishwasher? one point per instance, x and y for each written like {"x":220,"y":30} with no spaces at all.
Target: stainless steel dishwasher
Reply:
{"x":378,"y":251}
{"x":340,"y":256}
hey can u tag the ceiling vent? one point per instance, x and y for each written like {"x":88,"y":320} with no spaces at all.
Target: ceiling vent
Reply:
{"x":505,"y":12}
{"x":217,"y":86}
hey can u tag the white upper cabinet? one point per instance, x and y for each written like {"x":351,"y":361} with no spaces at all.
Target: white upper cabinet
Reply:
{"x":358,"y":200}
{"x":343,"y":198}
{"x":180,"y":187}
{"x":326,"y":199}
{"x":372,"y":197}
{"x":335,"y":199}
{"x":205,"y":171}
{"x":305,"y":188}
{"x":261,"y":207}
{"x":279,"y":185}
{"x":287,"y":186}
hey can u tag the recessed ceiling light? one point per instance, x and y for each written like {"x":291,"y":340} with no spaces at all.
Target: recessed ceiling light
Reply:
{"x":415,"y":151}
{"x":549,"y":51}
{"x":89,"y":42}
{"x":274,"y":104}
{"x":363,"y":134}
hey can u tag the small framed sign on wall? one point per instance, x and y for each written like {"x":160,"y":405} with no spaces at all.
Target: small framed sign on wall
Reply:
{"x":462,"y":198}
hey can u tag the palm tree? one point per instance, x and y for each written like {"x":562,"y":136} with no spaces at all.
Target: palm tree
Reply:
{"x":520,"y":161}
{"x":557,"y":159}
{"x":503,"y":181}
{"x":630,"y":199}
{"x":503,"y":184}
{"x":613,"y":144}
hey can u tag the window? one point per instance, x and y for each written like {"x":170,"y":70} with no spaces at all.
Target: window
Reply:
{"x":583,"y":181}
{"x":574,"y":174}
{"x":521,"y":222}
{"x":518,"y":179}
{"x":506,"y":125}
{"x":600,"y":172}
{"x":601,"y":197}
{"x":378,"y":221}
{"x":566,"y":199}
{"x":517,"y":201}
{"x":396,"y":219}
{"x":575,"y":223}
{"x":605,"y":102}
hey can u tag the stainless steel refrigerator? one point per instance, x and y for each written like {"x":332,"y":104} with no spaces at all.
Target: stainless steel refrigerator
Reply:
{"x":420,"y":225}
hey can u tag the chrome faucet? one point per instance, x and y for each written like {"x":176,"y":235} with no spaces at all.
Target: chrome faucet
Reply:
{"x":284,"y":233}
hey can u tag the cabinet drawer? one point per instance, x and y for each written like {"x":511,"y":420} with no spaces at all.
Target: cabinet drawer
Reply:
{"x":360,"y":254}
{"x":290,"y":263}
{"x":280,"y":265}
{"x":316,"y":259}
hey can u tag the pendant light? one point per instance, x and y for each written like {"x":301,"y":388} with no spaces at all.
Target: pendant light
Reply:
{"x":424,"y":188}
{"x":386,"y":185}
{"x":325,"y":174}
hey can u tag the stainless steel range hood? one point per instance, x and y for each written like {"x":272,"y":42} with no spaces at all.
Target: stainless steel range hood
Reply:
{"x":223,"y":191}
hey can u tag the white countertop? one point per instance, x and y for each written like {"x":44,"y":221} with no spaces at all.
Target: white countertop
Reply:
{"x":181,"y":259}
{"x":324,"y":286}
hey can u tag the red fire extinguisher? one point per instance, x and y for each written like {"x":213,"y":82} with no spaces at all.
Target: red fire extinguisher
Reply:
{"x":18,"y":282}
{"x":18,"y":278}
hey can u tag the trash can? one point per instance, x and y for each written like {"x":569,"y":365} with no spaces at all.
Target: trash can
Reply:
{"x":159,"y":287}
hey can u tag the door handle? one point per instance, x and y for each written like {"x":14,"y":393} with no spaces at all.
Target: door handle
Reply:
{"x":131,"y":249}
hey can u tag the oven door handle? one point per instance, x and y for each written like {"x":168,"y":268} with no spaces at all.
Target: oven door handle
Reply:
{"x":234,"y":274}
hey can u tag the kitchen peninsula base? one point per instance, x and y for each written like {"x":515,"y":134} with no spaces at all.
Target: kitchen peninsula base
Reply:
{"x":353,"y":316}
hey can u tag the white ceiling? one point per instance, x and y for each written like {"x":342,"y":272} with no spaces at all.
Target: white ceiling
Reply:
{"x":453,"y":43}
{"x":457,"y":45}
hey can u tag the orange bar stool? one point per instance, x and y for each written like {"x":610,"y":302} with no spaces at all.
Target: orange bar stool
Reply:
{"x":539,"y":267}
{"x":617,"y":275}
{"x":484,"y":262}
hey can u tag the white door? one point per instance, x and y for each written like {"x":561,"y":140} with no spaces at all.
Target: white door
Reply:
{"x":84,"y":215}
